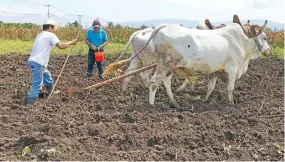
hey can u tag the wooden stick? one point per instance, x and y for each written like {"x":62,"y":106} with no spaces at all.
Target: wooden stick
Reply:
{"x":58,"y":76}
{"x":62,"y":69}
{"x":121,"y":77}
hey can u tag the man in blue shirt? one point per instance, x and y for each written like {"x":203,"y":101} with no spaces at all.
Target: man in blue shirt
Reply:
{"x":96,"y":39}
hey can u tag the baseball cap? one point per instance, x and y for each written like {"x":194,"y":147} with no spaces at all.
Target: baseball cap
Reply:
{"x":96,"y":23}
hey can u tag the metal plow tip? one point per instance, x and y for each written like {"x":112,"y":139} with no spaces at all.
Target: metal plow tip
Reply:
{"x":71,"y":91}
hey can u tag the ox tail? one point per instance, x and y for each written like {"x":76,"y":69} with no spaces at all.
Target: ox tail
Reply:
{"x":149,"y":39}
{"x":128,"y":44}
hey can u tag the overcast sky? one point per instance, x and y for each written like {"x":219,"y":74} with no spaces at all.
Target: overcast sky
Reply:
{"x":137,"y":10}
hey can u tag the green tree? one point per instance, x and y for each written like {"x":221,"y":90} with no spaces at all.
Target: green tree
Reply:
{"x":110,"y":25}
{"x":74,"y":24}
{"x":143,"y":26}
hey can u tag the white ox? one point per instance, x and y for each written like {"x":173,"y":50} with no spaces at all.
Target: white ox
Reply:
{"x":146,"y":57}
{"x":224,"y":52}
{"x":213,"y":79}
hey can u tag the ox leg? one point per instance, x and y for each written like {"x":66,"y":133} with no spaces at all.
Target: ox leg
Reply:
{"x":153,"y":86}
{"x":231,"y":84}
{"x":135,"y":64}
{"x":211,"y":86}
{"x":192,"y":80}
{"x":145,"y":77}
{"x":155,"y":81}
{"x":167,"y":84}
{"x":185,"y":84}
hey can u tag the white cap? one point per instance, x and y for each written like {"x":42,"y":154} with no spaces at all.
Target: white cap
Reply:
{"x":50,"y":22}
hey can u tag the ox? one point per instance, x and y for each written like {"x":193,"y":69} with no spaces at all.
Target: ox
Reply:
{"x":224,"y":52}
{"x":146,"y":57}
{"x":213,"y":79}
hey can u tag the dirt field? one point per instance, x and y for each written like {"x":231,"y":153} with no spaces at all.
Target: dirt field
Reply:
{"x":107,"y":124}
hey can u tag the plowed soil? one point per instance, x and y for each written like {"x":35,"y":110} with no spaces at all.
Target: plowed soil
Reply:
{"x":108,"y":124}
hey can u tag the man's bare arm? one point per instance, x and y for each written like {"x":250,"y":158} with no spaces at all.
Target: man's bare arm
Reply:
{"x":65,"y":45}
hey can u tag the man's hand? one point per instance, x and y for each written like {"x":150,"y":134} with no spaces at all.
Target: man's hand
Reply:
{"x":93,"y":47}
{"x":74,"y":41}
{"x":65,"y":45}
{"x":100,"y":47}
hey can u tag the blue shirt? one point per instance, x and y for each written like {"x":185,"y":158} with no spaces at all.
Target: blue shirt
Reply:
{"x":96,"y":38}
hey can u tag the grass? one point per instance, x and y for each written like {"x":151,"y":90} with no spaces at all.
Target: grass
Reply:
{"x":24,"y":47}
{"x":278,"y":52}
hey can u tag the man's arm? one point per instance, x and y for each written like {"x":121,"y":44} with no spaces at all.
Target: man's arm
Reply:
{"x":87,"y":37}
{"x":56,"y":42}
{"x":87,"y":42}
{"x":102,"y":45}
{"x":90,"y":45}
{"x":65,"y":45}
{"x":105,"y":37}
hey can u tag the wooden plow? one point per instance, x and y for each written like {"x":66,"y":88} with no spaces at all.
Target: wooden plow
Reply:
{"x":71,"y":91}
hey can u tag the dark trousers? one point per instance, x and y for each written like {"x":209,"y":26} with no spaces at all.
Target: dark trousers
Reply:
{"x":91,"y":61}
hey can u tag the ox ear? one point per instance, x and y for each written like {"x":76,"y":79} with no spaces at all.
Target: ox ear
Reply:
{"x":208,"y":23}
{"x":236,"y":20}
{"x":253,"y":30}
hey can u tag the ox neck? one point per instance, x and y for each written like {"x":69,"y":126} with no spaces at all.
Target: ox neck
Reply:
{"x":251,"y":49}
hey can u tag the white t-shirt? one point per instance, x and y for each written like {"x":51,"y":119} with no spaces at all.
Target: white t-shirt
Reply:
{"x":42,"y":47}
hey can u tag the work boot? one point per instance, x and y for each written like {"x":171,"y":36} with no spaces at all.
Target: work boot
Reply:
{"x":42,"y":94}
{"x":30,"y":100}
{"x":49,"y":89}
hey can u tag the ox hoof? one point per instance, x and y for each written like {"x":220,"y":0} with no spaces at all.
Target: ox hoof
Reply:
{"x":152,"y":106}
{"x":206,"y":100}
{"x":179,"y":89}
{"x":232,"y":103}
{"x":180,"y":109}
{"x":174,"y":105}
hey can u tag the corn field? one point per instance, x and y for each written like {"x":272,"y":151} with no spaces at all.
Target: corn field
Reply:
{"x":116,"y":35}
{"x":276,"y":38}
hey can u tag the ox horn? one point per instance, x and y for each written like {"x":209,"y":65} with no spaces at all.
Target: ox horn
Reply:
{"x":263,"y":26}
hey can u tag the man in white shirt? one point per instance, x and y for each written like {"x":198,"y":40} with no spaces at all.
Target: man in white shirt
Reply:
{"x":39,"y":58}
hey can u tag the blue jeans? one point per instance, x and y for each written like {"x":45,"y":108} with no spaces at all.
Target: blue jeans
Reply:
{"x":91,"y":61}
{"x":40,"y":75}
